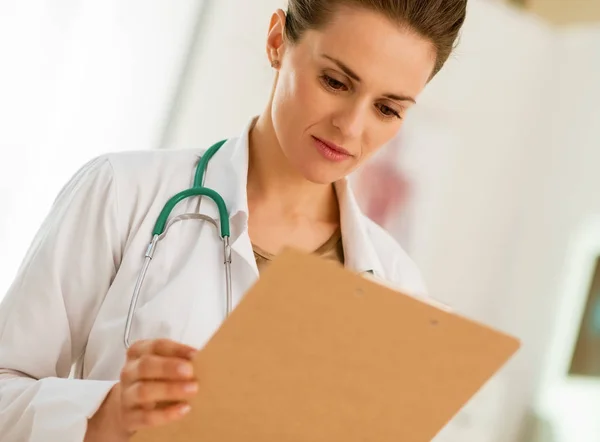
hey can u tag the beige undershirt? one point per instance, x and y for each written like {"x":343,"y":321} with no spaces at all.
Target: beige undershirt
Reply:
{"x":332,"y":249}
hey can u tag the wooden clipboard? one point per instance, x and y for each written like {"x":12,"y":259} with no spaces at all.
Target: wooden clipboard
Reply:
{"x":315,"y":353}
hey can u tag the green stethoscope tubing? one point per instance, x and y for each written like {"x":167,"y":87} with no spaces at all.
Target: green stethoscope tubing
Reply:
{"x":197,"y":190}
{"x":161,"y":224}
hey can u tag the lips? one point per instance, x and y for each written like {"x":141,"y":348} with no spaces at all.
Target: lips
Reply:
{"x":330,"y":151}
{"x":334,"y":147}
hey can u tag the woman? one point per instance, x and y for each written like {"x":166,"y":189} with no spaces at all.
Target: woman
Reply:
{"x":347,"y":71}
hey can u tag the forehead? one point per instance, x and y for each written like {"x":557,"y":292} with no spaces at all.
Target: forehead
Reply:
{"x":382,"y":53}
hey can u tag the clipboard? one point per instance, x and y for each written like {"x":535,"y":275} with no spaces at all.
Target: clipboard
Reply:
{"x":316,"y":353}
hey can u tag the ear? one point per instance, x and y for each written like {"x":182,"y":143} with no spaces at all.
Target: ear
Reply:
{"x":276,"y":38}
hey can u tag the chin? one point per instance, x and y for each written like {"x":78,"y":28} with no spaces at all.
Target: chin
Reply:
{"x":313,"y":167}
{"x":318,"y":174}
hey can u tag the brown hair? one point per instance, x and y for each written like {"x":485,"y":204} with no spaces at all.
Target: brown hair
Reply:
{"x":439,"y":21}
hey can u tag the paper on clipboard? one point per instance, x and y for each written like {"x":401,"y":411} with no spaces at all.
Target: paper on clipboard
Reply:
{"x":317,"y":353}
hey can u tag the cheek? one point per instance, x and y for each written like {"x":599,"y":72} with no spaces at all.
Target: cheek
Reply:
{"x":384,"y":134}
{"x":378,"y":134}
{"x":299,"y":99}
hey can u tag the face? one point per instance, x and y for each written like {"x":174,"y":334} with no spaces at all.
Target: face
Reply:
{"x":343,"y":91}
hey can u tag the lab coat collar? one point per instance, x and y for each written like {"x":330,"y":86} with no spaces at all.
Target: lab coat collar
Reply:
{"x":359,"y":252}
{"x":228,"y":174}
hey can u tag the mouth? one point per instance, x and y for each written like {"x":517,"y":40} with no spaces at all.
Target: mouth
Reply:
{"x":331,"y":151}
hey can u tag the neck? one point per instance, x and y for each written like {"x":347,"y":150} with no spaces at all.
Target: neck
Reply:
{"x":275,"y":184}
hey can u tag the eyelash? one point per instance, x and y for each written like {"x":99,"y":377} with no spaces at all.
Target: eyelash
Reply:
{"x":327,"y":81}
{"x":337,"y":86}
{"x":393,"y":112}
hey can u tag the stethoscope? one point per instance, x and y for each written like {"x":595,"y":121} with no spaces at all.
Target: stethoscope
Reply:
{"x":162,"y":226}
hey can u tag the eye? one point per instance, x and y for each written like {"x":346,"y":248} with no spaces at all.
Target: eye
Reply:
{"x":333,"y":84}
{"x":387,"y":111}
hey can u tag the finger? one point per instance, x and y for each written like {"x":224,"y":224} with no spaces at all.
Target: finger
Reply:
{"x":161,"y":347}
{"x":139,"y":419}
{"x":153,"y":392}
{"x":152,"y":367}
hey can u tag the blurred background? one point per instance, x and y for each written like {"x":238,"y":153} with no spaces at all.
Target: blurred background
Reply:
{"x":495,"y":173}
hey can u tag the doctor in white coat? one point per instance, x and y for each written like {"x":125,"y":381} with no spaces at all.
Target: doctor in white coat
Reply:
{"x":346,"y":74}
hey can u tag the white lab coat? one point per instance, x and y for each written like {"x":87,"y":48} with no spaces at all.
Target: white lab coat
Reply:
{"x":69,"y":301}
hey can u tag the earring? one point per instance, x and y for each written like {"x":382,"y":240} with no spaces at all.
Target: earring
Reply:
{"x":275,"y":64}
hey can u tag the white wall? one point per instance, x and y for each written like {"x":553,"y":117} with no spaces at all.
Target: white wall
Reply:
{"x":229,"y":79}
{"x":521,"y":185}
{"x":559,"y":224}
{"x":493,"y":97}
{"x":79,"y":78}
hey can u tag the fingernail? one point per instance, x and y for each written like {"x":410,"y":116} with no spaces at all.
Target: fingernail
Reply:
{"x":190,"y":388}
{"x":185,"y":370}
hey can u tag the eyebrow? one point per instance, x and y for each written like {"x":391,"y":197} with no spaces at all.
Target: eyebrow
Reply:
{"x":350,"y":73}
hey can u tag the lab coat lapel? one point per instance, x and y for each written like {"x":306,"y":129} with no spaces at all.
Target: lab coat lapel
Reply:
{"x":227,"y":174}
{"x":360,"y":255}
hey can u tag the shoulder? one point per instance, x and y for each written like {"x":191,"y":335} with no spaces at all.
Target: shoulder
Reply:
{"x":155,"y":163}
{"x":141,"y":181}
{"x":135,"y":174}
{"x":141,"y":177}
{"x":399,"y":269}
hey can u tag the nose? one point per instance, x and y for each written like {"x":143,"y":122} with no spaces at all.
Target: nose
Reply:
{"x":350,"y":120}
